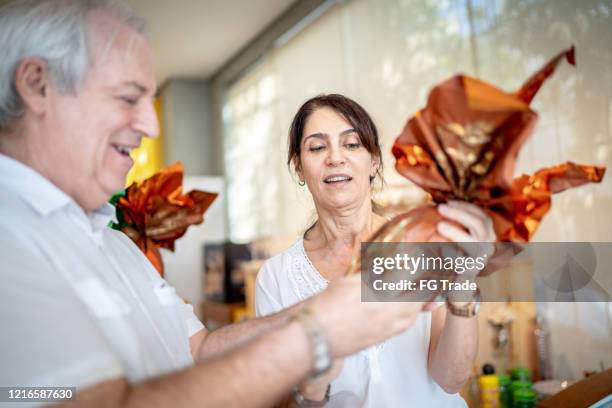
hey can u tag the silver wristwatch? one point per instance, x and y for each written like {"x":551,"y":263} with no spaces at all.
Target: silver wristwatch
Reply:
{"x":321,"y":355}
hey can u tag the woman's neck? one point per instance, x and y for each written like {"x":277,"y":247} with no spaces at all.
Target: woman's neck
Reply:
{"x":343,"y":228}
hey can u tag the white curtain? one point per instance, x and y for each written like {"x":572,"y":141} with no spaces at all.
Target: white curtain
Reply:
{"x":387,"y":55}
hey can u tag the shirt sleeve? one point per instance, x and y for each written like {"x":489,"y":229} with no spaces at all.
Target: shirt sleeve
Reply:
{"x":266,"y":286}
{"x":48,"y":338}
{"x":170,"y":296}
{"x":167,"y":296}
{"x":194,"y":324}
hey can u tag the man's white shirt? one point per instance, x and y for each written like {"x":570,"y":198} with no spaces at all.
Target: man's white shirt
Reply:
{"x":80,"y":303}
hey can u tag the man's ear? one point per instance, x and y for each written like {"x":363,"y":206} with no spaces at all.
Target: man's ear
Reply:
{"x":32,"y":84}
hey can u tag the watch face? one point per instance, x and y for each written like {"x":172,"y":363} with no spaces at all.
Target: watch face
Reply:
{"x":322,"y":358}
{"x":321,"y":365}
{"x":477,"y":306}
{"x":477,"y":300}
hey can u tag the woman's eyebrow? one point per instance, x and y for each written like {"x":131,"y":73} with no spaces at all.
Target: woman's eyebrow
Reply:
{"x":347,"y":131}
{"x":321,"y":135}
{"x":318,"y":135}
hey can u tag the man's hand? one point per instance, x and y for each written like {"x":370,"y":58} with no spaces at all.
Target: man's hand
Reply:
{"x":350,"y":324}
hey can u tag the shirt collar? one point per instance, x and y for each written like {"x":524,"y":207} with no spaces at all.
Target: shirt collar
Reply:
{"x":42,"y":195}
{"x":102,"y":216}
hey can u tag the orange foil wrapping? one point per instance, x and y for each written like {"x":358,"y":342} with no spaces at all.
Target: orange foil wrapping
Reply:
{"x":154,"y":213}
{"x":464,"y":144}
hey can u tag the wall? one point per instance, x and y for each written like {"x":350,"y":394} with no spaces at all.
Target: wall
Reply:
{"x":185,"y":266}
{"x":188,"y":138}
{"x":187,"y":127}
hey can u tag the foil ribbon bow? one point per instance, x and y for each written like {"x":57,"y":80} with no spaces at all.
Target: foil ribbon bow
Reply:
{"x":154,"y":213}
{"x":464,"y":145}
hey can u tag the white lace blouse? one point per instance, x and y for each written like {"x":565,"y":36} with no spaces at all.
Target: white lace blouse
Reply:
{"x":391,"y":374}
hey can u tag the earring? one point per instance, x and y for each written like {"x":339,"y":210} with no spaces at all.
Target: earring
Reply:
{"x":373,"y":176}
{"x":302,"y":183}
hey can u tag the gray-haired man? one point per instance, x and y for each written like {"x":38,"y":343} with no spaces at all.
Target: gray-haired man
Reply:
{"x":81,"y":306}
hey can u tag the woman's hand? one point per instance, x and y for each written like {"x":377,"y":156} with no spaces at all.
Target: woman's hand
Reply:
{"x":476,"y":222}
{"x":477,"y":228}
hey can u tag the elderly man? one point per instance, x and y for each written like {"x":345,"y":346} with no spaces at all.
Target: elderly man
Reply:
{"x":81,"y":306}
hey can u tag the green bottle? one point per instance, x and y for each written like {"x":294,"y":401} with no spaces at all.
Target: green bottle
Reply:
{"x":524,"y":398}
{"x":521,"y":374}
{"x":505,"y":391}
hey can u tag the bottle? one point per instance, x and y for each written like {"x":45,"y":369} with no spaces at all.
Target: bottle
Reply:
{"x":516,"y":388}
{"x":521,"y":374}
{"x":505,"y":391}
{"x":489,"y":387}
{"x":520,"y":385}
{"x":524,"y":398}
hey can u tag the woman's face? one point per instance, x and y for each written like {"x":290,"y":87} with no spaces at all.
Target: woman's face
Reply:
{"x":334,"y":164}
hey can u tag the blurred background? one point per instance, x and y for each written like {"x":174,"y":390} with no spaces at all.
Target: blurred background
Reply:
{"x":232,"y":74}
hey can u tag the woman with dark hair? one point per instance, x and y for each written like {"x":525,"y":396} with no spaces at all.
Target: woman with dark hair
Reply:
{"x":335,"y":151}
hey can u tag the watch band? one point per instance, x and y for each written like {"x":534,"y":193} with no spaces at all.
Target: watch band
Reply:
{"x":301,"y":401}
{"x":468,"y":310}
{"x":321,"y":354}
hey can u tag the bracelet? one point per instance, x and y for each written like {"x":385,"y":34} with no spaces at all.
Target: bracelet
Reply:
{"x":321,"y":355}
{"x":304,"y":402}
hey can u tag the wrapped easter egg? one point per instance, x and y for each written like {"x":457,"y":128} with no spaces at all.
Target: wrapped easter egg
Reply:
{"x":463,"y":145}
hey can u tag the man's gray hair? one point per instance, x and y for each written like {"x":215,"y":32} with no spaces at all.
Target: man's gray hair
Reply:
{"x":56,"y":31}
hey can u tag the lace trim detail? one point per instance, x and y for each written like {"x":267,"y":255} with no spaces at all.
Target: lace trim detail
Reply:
{"x":306,"y":280}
